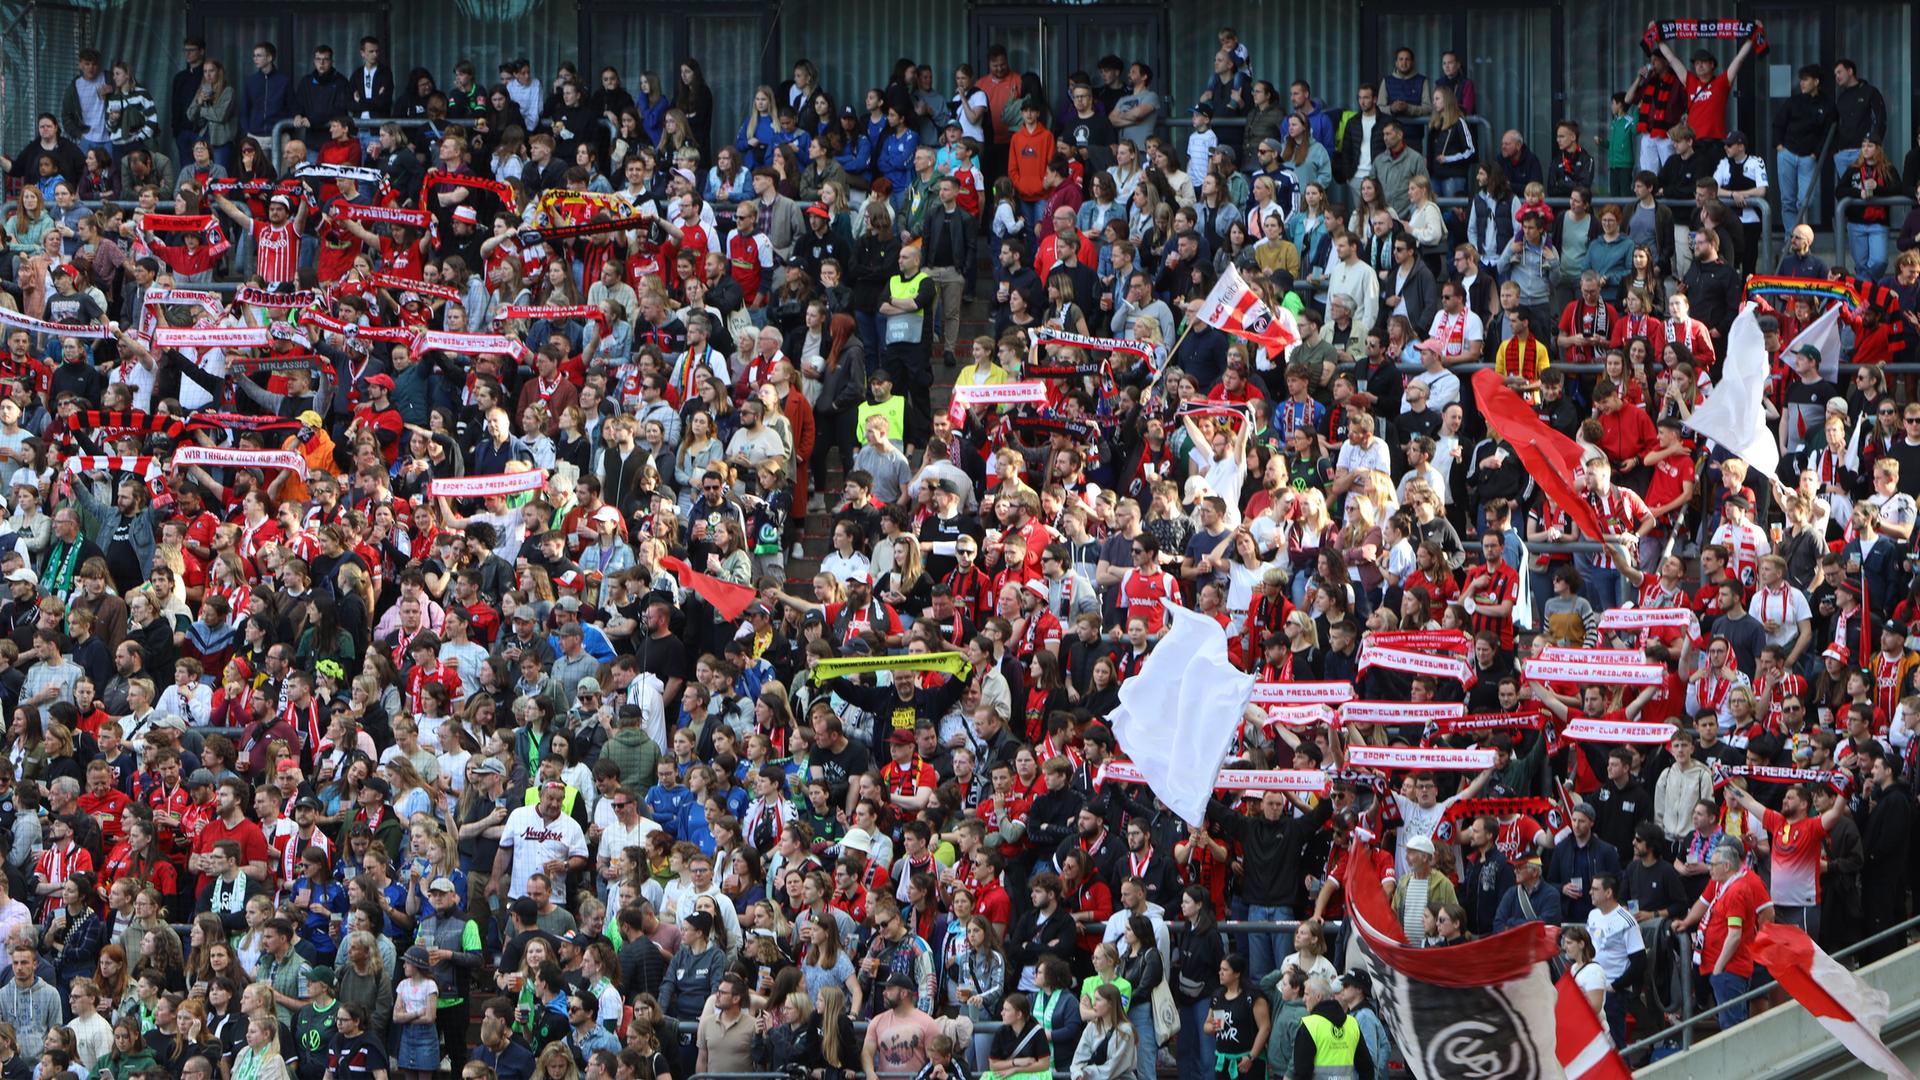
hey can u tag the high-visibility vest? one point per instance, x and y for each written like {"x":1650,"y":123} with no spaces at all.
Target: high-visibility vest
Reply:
{"x":910,"y":327}
{"x":1333,"y":1048}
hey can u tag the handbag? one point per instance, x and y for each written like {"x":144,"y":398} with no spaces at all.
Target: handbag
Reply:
{"x":1166,"y":1017}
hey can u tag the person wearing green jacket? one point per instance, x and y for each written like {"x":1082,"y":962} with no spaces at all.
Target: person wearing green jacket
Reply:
{"x":215,"y":112}
{"x":130,"y":1055}
{"x":1421,"y":887}
{"x":632,"y":750}
{"x":1286,"y":991}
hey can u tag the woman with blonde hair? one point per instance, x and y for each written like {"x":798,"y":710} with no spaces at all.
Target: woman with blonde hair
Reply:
{"x":260,"y":1058}
{"x":1107,"y":1047}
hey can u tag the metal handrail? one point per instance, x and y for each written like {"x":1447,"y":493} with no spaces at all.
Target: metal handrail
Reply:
{"x":1763,"y":261}
{"x":277,"y":135}
{"x":1685,"y":1026}
{"x":1843,"y":251}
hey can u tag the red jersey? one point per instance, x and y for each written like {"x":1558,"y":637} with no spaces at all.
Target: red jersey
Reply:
{"x":253,"y":842}
{"x":1735,"y":903}
{"x":1795,"y":851}
{"x":1707,"y":105}
{"x":53,"y":866}
{"x":1140,"y":596}
{"x":748,"y":258}
{"x":106,"y":810}
{"x":1503,"y":586}
{"x":278,"y":251}
{"x":419,"y":677}
{"x":1017,"y":806}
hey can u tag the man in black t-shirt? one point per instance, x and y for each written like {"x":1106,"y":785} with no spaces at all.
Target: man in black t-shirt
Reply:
{"x":836,"y":757}
{"x":661,"y":652}
{"x":66,"y":305}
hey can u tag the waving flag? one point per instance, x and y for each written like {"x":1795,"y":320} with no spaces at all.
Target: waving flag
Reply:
{"x":1238,"y":310}
{"x":1488,"y":1008}
{"x":1843,"y":1002}
{"x":1734,"y":414}
{"x":1178,"y":716}
{"x":730,"y":600}
{"x":1823,"y":334}
{"x":1552,"y":459}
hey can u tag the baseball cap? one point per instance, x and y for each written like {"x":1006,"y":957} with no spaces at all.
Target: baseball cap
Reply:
{"x":900,"y":980}
{"x":757,"y":611}
{"x":1357,"y":980}
{"x":700,"y":921}
{"x":606,"y":513}
{"x":1811,"y":352}
{"x":441,"y":884}
{"x":568,"y":603}
{"x":383,"y":380}
{"x":324,"y":974}
{"x":527,"y":612}
{"x":901,"y":737}
{"x":814,"y":618}
{"x":378,"y":786}
{"x":1202,"y":109}
{"x":200,"y":778}
{"x":308,"y":802}
{"x":24,"y":574}
{"x":466,"y":214}
{"x":1421,"y":844}
{"x":1735,"y":136}
{"x":847,"y":112}
{"x":816,"y":210}
{"x":67,"y":269}
{"x":310,"y":418}
{"x":280,"y":200}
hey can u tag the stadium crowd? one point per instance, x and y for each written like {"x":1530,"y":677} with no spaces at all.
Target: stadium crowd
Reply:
{"x":411,"y":636}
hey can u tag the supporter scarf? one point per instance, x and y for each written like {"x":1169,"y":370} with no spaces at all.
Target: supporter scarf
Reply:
{"x":359,"y":174}
{"x":1301,"y":693}
{"x":283,"y":362}
{"x":425,"y":341}
{"x":1081,"y":431}
{"x":1533,"y":806}
{"x":205,"y":301}
{"x":1639,"y":674}
{"x":730,"y":600}
{"x":1618,"y":731}
{"x":200,"y":421}
{"x":1219,"y":410}
{"x":228,"y":185}
{"x":1418,"y":757}
{"x":1647,"y":619}
{"x":1049,"y":367}
{"x":41,"y":326}
{"x":289,"y":331}
{"x":212,"y":337}
{"x":440,"y":179}
{"x":193,"y":223}
{"x":1568,"y":654}
{"x":479,"y":487}
{"x":1838,"y":779}
{"x":1704,"y":29}
{"x":551,"y":312}
{"x":554,"y":233}
{"x":253,"y":297}
{"x":111,"y":424}
{"x":1299,"y":716}
{"x":1452,"y":641}
{"x":391,"y":335}
{"x":1149,"y":353}
{"x":1532,"y":720}
{"x":1400,"y":712}
{"x":400,"y":284}
{"x":386,"y":215}
{"x":1822,"y":291}
{"x":1012,"y":393}
{"x":1416,"y":663}
{"x":1301,"y":781}
{"x":236,"y":458}
{"x":565,"y":207}
{"x":147,"y":467}
{"x":947,"y":663}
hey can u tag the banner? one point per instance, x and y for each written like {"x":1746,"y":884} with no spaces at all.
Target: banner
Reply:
{"x":292,"y":301}
{"x":1619,"y":731}
{"x":1823,"y":336}
{"x":391,"y":335}
{"x":237,"y":458}
{"x":1572,"y":655}
{"x":1825,"y":292}
{"x":946,"y":663}
{"x":212,"y":337}
{"x":1152,"y":354}
{"x":728,"y":599}
{"x":1302,"y":693}
{"x":1180,"y":714}
{"x":1417,"y":663}
{"x":1238,"y":310}
{"x":1300,"y":781}
{"x":479,"y":487}
{"x":425,"y":341}
{"x":1453,"y":641}
{"x":89,"y":332}
{"x":1400,"y":712}
{"x":1704,"y":29}
{"x":1734,"y":415}
{"x":1560,"y":671}
{"x":1419,"y":757}
{"x":1012,"y":393}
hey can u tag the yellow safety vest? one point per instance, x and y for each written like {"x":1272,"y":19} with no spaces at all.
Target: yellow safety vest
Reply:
{"x":1333,"y":1048}
{"x":909,"y":328}
{"x":566,"y":804}
{"x":894,"y":409}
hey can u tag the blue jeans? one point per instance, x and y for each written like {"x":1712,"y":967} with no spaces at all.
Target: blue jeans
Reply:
{"x":1450,"y":186}
{"x":1266,"y":950}
{"x":1147,"y":1061}
{"x":1194,"y":1047}
{"x":1727,"y":986}
{"x":1601,"y":586}
{"x":1798,"y":175}
{"x":1868,"y":245}
{"x":1031,"y":212}
{"x":1844,"y":160}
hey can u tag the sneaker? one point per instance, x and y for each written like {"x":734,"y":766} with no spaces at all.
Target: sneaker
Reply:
{"x":952,"y":360}
{"x":817,"y":504}
{"x":799,"y":550}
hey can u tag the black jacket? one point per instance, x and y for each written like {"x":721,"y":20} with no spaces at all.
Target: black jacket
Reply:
{"x":1034,"y":935}
{"x":320,"y":98}
{"x":1271,"y":850}
{"x":1713,"y":293}
{"x":1801,"y":124}
{"x":1569,"y":171}
{"x":1862,"y":114}
{"x":963,"y":229}
{"x":1304,"y":1047}
{"x":1348,"y":158}
{"x":380,"y":102}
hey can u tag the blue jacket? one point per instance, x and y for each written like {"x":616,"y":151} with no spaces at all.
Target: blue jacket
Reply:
{"x":763,"y":130}
{"x":265,"y":100}
{"x":895,"y":160}
{"x":858,"y":158}
{"x":1546,"y":907}
{"x":667,"y":806}
{"x":1570,"y":861}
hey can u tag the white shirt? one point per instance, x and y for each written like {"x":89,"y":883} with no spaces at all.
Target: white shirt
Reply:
{"x":1372,"y":456}
{"x":1785,"y":606}
{"x":1616,"y":937}
{"x":1357,"y":280}
{"x":536,"y":842}
{"x":1465,"y":326}
{"x":1443,"y":389}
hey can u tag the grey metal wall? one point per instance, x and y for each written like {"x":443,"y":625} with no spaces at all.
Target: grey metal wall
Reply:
{"x":1288,"y":41}
{"x":855,"y":42}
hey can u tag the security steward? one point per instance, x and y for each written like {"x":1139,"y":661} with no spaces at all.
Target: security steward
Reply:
{"x":1328,"y":1045}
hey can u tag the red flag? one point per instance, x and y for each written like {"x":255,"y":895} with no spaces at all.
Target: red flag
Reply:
{"x":1580,"y":1042}
{"x":1551,"y":458}
{"x":1844,"y":1003}
{"x":1239,"y":311}
{"x":728,"y":599}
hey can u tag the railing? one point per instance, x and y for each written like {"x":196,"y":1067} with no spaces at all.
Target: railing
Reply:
{"x":1763,"y":261}
{"x":278,"y":134}
{"x":1843,"y":251}
{"x":1684,"y":1027}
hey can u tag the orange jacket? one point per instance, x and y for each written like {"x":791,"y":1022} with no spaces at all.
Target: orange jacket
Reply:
{"x":1027,"y":155}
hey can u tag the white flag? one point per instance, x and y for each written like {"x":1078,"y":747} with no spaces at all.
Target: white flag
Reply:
{"x":1823,"y":334}
{"x":1177,"y":717}
{"x":1733,"y":415}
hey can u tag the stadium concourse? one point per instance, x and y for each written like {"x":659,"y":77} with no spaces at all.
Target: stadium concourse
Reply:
{"x":514,"y":579}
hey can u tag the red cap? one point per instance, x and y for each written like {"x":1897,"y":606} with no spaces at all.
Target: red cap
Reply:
{"x":68,"y":269}
{"x":816,"y":210}
{"x":381,"y":380}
